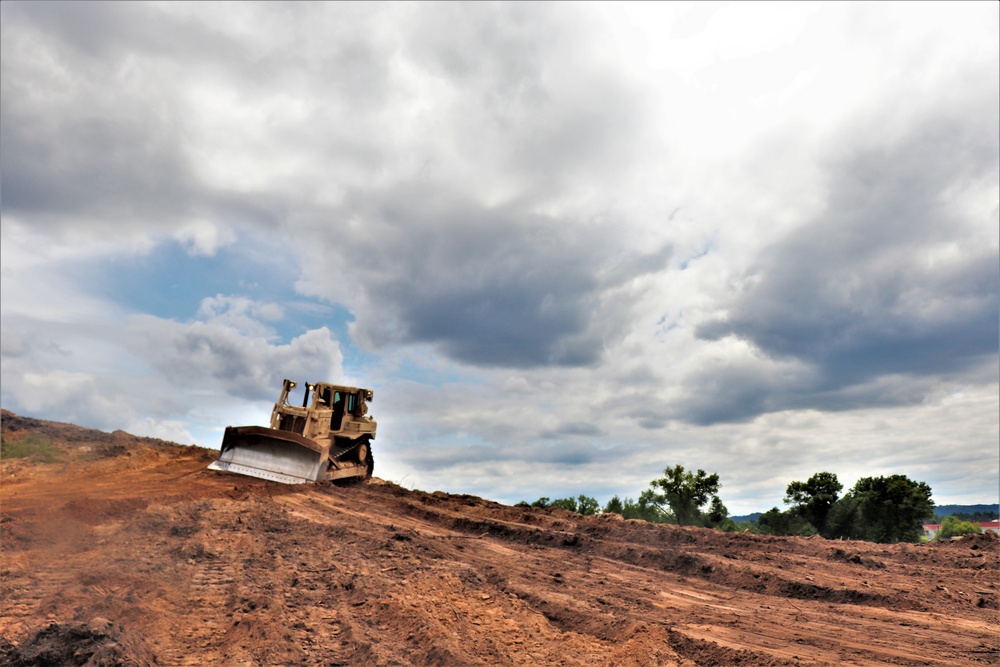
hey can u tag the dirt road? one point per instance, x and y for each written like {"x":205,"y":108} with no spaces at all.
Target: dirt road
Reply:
{"x":127,"y":551}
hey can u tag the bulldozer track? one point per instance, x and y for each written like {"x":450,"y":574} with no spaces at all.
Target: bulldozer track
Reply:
{"x":337,"y":453}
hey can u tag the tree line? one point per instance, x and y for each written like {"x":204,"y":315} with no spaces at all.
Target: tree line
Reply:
{"x":884,"y":509}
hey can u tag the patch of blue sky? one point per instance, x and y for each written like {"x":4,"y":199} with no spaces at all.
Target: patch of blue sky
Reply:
{"x":170,"y":283}
{"x":667,"y":323}
{"x":686,"y":263}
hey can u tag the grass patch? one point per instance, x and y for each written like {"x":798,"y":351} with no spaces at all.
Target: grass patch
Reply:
{"x":31,"y":446}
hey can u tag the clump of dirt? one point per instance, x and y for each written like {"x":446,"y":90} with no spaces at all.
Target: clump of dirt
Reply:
{"x":99,"y":643}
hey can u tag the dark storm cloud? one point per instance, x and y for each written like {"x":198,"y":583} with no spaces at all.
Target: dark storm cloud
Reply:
{"x":489,"y":286}
{"x":478,"y":254}
{"x":892,"y":278}
{"x":740,"y":391}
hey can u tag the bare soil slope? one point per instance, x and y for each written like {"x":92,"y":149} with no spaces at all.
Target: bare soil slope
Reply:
{"x":127,"y":551}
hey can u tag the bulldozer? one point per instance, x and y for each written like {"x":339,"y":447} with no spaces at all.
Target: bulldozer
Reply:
{"x":327,"y":438}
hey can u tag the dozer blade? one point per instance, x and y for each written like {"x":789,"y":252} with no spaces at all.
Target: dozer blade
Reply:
{"x":280,"y":456}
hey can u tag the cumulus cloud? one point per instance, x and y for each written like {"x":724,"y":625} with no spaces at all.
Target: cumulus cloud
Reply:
{"x":204,"y":238}
{"x":241,"y":314}
{"x":490,"y":287}
{"x":231,"y":349}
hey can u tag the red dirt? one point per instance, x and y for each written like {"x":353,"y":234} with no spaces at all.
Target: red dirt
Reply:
{"x":129,"y":552}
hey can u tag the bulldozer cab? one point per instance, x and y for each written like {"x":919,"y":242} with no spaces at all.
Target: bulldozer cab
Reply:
{"x":343,"y":403}
{"x":324,"y":408}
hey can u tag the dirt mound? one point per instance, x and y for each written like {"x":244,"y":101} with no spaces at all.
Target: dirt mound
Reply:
{"x":211,"y":568}
{"x":95,"y":644}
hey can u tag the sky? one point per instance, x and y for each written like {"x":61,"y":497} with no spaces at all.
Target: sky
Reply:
{"x":567,"y":245}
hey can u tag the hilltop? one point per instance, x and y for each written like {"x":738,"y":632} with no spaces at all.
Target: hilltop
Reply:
{"x":127,"y":551}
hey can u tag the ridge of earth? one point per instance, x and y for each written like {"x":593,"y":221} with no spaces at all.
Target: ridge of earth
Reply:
{"x":122,"y":550}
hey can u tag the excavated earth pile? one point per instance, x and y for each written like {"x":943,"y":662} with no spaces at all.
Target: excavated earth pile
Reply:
{"x":119,"y":550}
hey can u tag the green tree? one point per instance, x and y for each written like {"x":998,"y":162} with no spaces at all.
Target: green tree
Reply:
{"x":586,"y":505}
{"x":883,"y":509}
{"x":646,"y":509}
{"x":583,"y":505}
{"x":614,"y":506}
{"x":844,"y":519}
{"x":814,"y":498}
{"x":565,"y":503}
{"x":718,"y":516}
{"x":685,"y":493}
{"x":952,"y":526}
{"x":776,"y":522}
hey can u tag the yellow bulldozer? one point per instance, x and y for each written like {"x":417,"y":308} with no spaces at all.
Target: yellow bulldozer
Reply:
{"x":327,"y":438}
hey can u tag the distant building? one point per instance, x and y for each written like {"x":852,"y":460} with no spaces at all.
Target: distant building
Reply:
{"x":931,"y":529}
